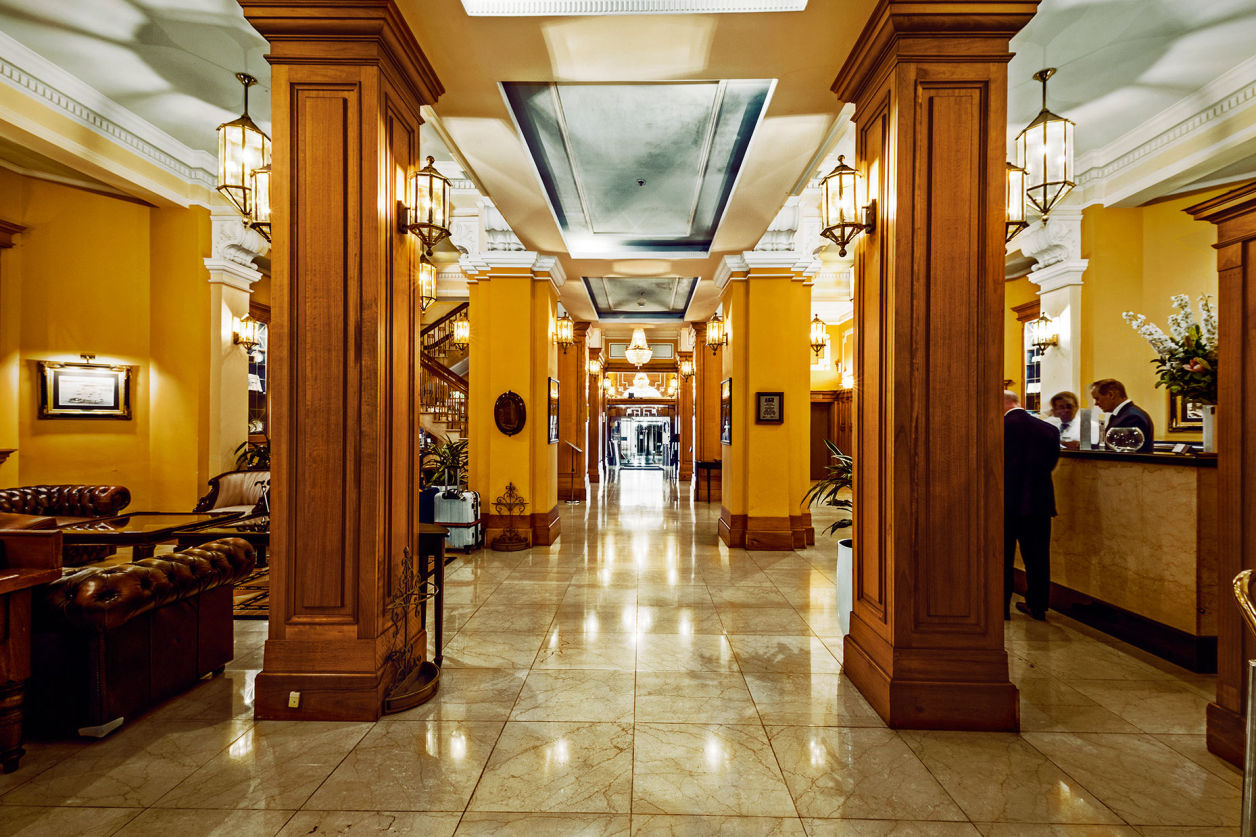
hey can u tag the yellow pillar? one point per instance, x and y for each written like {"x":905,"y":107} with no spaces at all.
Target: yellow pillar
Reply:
{"x":515,"y":299}
{"x":573,"y":376}
{"x":767,"y":304}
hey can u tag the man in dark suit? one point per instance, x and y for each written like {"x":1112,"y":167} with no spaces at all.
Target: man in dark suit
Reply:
{"x":1109,"y":396}
{"x":1031,"y":447}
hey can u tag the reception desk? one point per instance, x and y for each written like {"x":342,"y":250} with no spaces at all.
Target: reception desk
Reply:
{"x":1134,"y":550}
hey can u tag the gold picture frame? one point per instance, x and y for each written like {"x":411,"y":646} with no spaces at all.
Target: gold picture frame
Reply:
{"x":84,"y":390}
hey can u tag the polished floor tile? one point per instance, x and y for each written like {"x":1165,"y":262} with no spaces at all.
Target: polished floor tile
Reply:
{"x":694,"y":697}
{"x":370,"y":824}
{"x":575,"y":695}
{"x":490,"y":824}
{"x":829,"y":700}
{"x":676,"y":825}
{"x":156,"y":822}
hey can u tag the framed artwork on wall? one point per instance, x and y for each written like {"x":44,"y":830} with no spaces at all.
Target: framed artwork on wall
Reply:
{"x":84,"y":390}
{"x":1185,"y":416}
{"x":553,"y":411}
{"x":769,"y":407}
{"x":726,"y":411}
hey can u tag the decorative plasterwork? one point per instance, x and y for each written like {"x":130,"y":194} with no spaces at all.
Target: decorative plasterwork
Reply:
{"x":1057,"y":240}
{"x":234,"y":242}
{"x":479,"y":267}
{"x":733,"y":267}
{"x":782,"y":233}
{"x":527,"y":8}
{"x":498,"y":236}
{"x":40,"y":79}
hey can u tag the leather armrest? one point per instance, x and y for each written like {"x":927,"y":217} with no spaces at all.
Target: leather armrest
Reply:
{"x":30,"y":548}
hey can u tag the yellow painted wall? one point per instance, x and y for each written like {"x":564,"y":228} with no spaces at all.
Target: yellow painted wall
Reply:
{"x":125,"y":282}
{"x":840,"y":352}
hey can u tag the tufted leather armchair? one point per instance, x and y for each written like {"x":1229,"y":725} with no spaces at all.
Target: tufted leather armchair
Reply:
{"x":68,"y":504}
{"x":110,"y":641}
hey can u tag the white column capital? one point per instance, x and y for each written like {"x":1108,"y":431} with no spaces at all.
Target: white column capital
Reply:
{"x":478,"y":268}
{"x":1059,"y":275}
{"x":235,"y":242}
{"x":232,"y":274}
{"x":1058,"y":239}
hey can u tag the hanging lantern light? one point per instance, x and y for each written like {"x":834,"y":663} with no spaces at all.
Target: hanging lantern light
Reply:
{"x":638,"y":352}
{"x":841,"y":215}
{"x":1015,"y":201}
{"x":427,"y":284}
{"x":242,"y":148}
{"x":1045,"y":151}
{"x":462,"y":333}
{"x":717,"y":333}
{"x":565,"y":332}
{"x":819,"y":335}
{"x":427,"y":216}
{"x":686,"y":368}
{"x":259,"y":187}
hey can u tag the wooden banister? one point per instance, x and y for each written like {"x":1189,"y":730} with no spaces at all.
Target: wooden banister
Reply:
{"x":444,"y":373}
{"x":457,"y":310}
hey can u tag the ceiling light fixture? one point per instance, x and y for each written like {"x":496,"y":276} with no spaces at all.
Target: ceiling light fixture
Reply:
{"x":638,"y":352}
{"x":259,"y":185}
{"x":426,"y":214}
{"x":841,"y":213}
{"x":716,"y":334}
{"x":242,"y":148}
{"x":1045,"y":151}
{"x":427,"y":284}
{"x":565,"y":332}
{"x":819,"y":335}
{"x":1015,"y":201}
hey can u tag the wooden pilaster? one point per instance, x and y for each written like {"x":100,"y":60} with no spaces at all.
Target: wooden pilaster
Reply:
{"x":708,"y":369}
{"x":573,"y":416}
{"x":593,"y":453}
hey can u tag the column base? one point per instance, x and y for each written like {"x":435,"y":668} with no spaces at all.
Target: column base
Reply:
{"x":330,"y":696}
{"x":768,"y":534}
{"x":595,"y":476}
{"x":1226,"y":734}
{"x":546,"y":527}
{"x":571,"y":489}
{"x":954,"y":689}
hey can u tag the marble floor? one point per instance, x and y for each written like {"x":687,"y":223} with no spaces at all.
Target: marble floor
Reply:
{"x":638,"y":678}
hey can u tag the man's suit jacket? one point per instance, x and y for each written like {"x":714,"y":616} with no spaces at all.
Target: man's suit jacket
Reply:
{"x":1132,"y":415}
{"x":1031,"y":448}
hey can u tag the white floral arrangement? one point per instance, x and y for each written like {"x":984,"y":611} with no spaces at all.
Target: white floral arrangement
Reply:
{"x":1186,"y":357}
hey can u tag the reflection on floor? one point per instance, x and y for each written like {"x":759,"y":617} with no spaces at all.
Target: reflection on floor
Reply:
{"x":637,"y":678}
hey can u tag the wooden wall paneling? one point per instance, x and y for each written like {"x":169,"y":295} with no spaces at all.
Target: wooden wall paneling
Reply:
{"x":926,"y":640}
{"x":1234,"y":214}
{"x":573,"y":419}
{"x":347,"y":84}
{"x":708,"y":371}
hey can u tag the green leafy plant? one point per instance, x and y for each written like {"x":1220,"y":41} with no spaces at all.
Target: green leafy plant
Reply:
{"x":829,"y":491}
{"x":444,"y":463}
{"x":253,"y":456}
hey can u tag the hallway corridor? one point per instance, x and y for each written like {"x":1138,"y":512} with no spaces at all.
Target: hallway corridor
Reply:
{"x":638,"y":678}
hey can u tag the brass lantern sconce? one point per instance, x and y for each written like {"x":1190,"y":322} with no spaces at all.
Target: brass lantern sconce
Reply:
{"x":717,"y":333}
{"x":242,"y":149}
{"x":246,"y":333}
{"x":259,"y":186}
{"x":427,"y":215}
{"x":462,"y":333}
{"x":1015,"y":201}
{"x":1042,"y":334}
{"x":1045,"y":151}
{"x":841,"y":214}
{"x":819,"y":335}
{"x":565,"y":332}
{"x":595,"y":366}
{"x":685,"y":367}
{"x":427,"y":284}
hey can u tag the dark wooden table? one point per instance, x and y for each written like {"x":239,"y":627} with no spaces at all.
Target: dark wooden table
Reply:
{"x":140,"y":530}
{"x":255,"y":530}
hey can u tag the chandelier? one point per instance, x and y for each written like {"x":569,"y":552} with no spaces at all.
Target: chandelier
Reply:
{"x":1045,"y":151}
{"x":243,"y":149}
{"x":638,"y":352}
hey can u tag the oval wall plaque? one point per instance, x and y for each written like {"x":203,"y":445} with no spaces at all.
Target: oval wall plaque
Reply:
{"x":510,"y":413}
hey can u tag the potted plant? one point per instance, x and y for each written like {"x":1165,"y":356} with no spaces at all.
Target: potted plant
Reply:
{"x":444,"y":464}
{"x":253,"y":456}
{"x":833,"y":490}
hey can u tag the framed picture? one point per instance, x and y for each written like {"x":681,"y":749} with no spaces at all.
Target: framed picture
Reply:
{"x":769,"y":407}
{"x":553,"y":411}
{"x":1185,"y":415}
{"x":726,"y":411}
{"x":84,"y":390}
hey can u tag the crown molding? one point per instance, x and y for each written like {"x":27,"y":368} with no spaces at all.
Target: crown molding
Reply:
{"x":533,"y":8}
{"x":50,"y":85}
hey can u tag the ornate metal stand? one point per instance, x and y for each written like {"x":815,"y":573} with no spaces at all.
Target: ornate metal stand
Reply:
{"x":414,"y":679}
{"x":510,"y":504}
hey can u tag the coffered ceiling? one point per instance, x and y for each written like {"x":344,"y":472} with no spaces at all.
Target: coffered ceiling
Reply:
{"x":640,"y":298}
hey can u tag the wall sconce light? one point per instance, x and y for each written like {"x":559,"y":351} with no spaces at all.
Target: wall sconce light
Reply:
{"x":462,"y":333}
{"x":841,"y":215}
{"x":259,"y":186}
{"x":427,"y":284}
{"x":1015,"y":201}
{"x":595,"y":366}
{"x":819,"y":335}
{"x":1045,"y":151}
{"x":686,"y":368}
{"x":717,"y":333}
{"x":565,"y":332}
{"x":1042,"y":334}
{"x":242,"y":148}
{"x":246,"y":333}
{"x":427,"y":213}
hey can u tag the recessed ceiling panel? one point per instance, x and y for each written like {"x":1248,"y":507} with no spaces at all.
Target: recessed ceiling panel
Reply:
{"x":523,"y":8}
{"x":640,"y":298}
{"x":638,"y":169}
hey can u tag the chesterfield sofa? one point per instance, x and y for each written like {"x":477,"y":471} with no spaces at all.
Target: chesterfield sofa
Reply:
{"x":109,"y":642}
{"x":68,"y":504}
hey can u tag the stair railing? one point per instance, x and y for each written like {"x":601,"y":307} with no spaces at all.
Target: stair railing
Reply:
{"x":1242,"y":592}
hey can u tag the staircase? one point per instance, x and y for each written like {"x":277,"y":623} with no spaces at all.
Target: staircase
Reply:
{"x":443,"y":395}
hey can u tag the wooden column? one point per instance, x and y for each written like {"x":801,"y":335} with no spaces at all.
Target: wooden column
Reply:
{"x":593,"y":453}
{"x":1234,"y":213}
{"x":684,"y":421}
{"x":573,"y":416}
{"x":929,"y":83}
{"x":347,"y":82}
{"x":708,"y":372}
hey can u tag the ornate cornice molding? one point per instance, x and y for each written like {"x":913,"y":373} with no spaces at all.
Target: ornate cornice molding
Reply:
{"x":42,"y":80}
{"x":232,"y":274}
{"x":529,"y":8}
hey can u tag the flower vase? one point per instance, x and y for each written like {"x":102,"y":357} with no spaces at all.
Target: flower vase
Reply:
{"x":1210,"y":428}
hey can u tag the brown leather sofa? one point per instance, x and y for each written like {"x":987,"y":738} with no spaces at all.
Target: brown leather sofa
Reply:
{"x":111,"y":641}
{"x":68,"y":504}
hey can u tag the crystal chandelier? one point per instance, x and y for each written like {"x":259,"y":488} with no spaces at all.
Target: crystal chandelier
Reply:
{"x":638,"y":352}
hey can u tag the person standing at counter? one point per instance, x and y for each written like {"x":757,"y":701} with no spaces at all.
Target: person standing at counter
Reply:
{"x":1064,"y":407}
{"x":1109,"y":396}
{"x":1031,"y":448}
